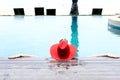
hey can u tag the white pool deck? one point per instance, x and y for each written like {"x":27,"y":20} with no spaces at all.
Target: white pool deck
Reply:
{"x":86,"y":68}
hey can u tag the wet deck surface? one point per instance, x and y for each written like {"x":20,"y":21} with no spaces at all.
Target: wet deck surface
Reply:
{"x":86,"y":68}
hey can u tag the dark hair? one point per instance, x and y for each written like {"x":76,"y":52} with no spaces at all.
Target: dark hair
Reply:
{"x":63,"y":53}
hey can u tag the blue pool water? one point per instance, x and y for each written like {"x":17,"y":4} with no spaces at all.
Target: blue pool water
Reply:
{"x":35,"y":34}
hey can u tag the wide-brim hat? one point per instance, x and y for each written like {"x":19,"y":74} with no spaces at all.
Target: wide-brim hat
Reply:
{"x":63,"y":51}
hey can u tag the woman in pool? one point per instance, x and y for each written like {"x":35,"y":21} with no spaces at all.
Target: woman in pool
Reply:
{"x":63,"y":50}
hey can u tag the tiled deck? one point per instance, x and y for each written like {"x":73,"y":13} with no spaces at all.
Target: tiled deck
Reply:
{"x":86,"y":68}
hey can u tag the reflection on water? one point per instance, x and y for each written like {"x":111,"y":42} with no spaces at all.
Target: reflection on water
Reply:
{"x":74,"y":34}
{"x":64,"y":64}
{"x":18,"y":17}
{"x":114,"y":30}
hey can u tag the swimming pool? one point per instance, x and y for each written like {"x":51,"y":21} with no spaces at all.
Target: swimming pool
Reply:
{"x":35,"y":34}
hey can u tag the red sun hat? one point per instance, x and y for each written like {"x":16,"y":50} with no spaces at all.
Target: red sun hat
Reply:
{"x":63,"y":51}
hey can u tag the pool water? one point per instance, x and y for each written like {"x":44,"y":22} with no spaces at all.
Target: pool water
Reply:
{"x":35,"y":34}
